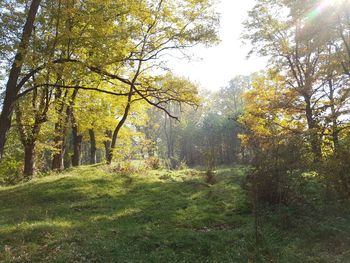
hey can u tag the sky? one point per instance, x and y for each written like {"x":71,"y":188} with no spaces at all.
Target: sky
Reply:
{"x":213,"y":67}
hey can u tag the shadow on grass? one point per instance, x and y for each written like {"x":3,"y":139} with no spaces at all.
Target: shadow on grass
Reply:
{"x":94,"y":216}
{"x":116,"y":218}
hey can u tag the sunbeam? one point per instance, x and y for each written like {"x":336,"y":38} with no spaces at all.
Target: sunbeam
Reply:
{"x":321,"y":8}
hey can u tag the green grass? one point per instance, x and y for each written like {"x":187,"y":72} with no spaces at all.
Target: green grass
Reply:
{"x":92,"y":214}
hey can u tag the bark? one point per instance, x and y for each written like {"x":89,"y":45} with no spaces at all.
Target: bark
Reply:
{"x":58,"y":161}
{"x":107,"y":144}
{"x":29,"y":134}
{"x":115,"y":136}
{"x":59,"y":142}
{"x":60,"y":131}
{"x":312,"y":127}
{"x":29,"y":160}
{"x":77,"y":145}
{"x":119,"y":126}
{"x":58,"y":157}
{"x":15,"y":71}
{"x":335,"y":128}
{"x":93,"y":148}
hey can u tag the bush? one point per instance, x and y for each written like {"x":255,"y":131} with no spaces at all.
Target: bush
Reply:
{"x":153,"y":163}
{"x":276,"y":186}
{"x":125,"y":167}
{"x":277,"y":175}
{"x":10,"y":171}
{"x":336,"y":172}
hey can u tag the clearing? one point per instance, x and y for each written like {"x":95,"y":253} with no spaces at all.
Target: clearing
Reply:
{"x":97,"y":214}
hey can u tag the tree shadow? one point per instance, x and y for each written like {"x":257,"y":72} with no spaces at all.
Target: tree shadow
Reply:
{"x":114,"y":217}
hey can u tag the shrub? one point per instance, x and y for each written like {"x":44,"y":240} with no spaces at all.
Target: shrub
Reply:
{"x":277,"y":175}
{"x":10,"y":171}
{"x":153,"y":162}
{"x":125,"y":167}
{"x":336,"y":172}
{"x":275,"y":185}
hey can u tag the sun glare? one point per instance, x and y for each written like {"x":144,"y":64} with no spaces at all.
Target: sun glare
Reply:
{"x":321,"y":7}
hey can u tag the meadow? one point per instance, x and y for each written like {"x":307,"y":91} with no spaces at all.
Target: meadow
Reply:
{"x":104,"y":214}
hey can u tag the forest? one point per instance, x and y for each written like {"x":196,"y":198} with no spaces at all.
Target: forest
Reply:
{"x":107,"y":154}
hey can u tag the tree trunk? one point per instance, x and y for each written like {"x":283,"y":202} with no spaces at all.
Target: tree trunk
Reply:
{"x":58,"y":158}
{"x":115,"y":135}
{"x":169,"y":136}
{"x":59,"y":142}
{"x":335,"y":129}
{"x":314,"y":140}
{"x":119,"y":126}
{"x":93,"y":148}
{"x":58,"y":162}
{"x":107,"y":144}
{"x":29,"y":160}
{"x":77,"y":143}
{"x":61,"y":130}
{"x":11,"y":86}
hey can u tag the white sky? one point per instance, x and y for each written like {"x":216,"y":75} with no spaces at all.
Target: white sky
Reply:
{"x":215,"y":66}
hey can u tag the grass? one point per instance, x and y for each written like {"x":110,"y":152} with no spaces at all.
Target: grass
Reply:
{"x":93,"y":214}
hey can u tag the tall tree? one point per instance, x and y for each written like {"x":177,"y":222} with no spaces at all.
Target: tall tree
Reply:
{"x":29,"y":119}
{"x":12,"y":89}
{"x":297,"y":51}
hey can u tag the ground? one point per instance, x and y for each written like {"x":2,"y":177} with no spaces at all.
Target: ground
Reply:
{"x":100,"y":214}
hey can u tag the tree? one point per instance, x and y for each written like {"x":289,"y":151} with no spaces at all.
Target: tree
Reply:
{"x":90,"y":50}
{"x":162,"y":91}
{"x":295,"y":118}
{"x":29,"y":121}
{"x":299,"y":50}
{"x":12,"y":88}
{"x":275,"y":140}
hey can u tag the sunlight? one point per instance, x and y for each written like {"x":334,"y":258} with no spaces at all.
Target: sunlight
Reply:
{"x":324,"y":4}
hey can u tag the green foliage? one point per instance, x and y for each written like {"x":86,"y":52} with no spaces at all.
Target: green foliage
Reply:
{"x":98,"y":66}
{"x":295,"y":115}
{"x":11,"y":166}
{"x":10,"y":171}
{"x":210,"y":128}
{"x":335,"y":171}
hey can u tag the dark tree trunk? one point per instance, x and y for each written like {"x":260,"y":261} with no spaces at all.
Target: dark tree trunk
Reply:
{"x":29,"y":160}
{"x":77,"y":144}
{"x":119,"y":126}
{"x":11,"y":86}
{"x":93,"y":148}
{"x":335,"y":132}
{"x":312,"y":127}
{"x":59,"y":142}
{"x":335,"y":136}
{"x":107,"y":144}
{"x":58,"y":158}
{"x":58,"y":161}
{"x":29,"y":133}
{"x":60,"y":131}
{"x":114,"y":142}
{"x":115,"y":135}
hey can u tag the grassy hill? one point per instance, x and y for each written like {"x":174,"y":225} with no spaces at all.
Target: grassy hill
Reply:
{"x":97,"y":214}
